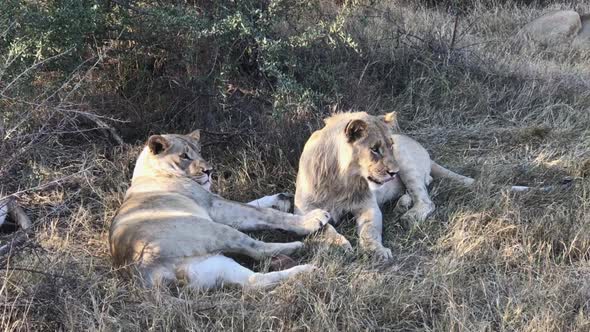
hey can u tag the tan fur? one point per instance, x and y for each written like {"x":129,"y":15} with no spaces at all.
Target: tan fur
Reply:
{"x":416,"y":172}
{"x":336,"y":174}
{"x":171,"y":228}
{"x":334,"y":171}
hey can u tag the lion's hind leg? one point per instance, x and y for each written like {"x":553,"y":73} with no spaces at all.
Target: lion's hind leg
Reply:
{"x":219,"y":270}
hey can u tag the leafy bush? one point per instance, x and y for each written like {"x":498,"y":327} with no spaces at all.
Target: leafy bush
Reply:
{"x":261,"y":44}
{"x":37,"y":31}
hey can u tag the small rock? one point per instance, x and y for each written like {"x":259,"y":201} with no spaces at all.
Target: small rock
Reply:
{"x":281,"y":262}
{"x":582,"y":40}
{"x":554,"y":28}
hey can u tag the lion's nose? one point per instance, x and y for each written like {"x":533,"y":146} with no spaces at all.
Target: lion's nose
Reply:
{"x":208,"y":171}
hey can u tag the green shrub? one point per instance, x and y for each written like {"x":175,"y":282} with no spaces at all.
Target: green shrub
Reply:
{"x":265,"y":44}
{"x":262,"y":45}
{"x":39,"y":30}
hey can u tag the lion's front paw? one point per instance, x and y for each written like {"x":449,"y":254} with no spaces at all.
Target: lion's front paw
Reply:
{"x":315,"y":219}
{"x":304,"y":268}
{"x":382,"y":254}
{"x":404,"y":203}
{"x":417,"y":214}
{"x":338,"y":240}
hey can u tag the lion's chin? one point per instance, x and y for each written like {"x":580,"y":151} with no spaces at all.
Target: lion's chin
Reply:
{"x":203,"y":181}
{"x":206,"y":186}
{"x":380,"y":182}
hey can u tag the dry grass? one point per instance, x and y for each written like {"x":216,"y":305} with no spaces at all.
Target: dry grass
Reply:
{"x":487,"y":260}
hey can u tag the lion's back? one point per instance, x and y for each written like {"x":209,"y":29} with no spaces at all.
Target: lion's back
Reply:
{"x":151,"y":224}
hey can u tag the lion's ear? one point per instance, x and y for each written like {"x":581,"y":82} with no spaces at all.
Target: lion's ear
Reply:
{"x":390,"y":120}
{"x":196,"y":135}
{"x":158,"y":144}
{"x":355,"y":129}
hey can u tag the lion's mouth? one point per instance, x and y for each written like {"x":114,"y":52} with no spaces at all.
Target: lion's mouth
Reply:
{"x":202,"y":180}
{"x":381,"y":181}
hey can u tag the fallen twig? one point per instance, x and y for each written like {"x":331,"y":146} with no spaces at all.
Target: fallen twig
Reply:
{"x":45,"y":185}
{"x":102,"y":125}
{"x":3,"y":212}
{"x":52,"y":275}
{"x":16,"y":242}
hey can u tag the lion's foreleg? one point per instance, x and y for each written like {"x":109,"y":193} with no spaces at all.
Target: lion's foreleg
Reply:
{"x":369,"y":223}
{"x":248,"y":218}
{"x":331,"y":236}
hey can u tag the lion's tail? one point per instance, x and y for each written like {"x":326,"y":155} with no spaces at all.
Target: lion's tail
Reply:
{"x":438,"y":171}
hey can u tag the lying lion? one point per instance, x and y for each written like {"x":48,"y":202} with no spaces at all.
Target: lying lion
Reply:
{"x":416,"y":172}
{"x":355,"y":164}
{"x":171,"y":228}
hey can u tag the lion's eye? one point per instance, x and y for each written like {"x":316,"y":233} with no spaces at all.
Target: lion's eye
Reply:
{"x":185,"y":156}
{"x":376,"y":150}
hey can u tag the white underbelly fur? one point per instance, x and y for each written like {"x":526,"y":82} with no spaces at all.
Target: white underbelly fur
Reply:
{"x":391,"y":190}
{"x":208,"y":272}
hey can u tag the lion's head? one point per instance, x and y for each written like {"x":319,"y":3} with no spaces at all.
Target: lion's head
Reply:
{"x":369,"y":138}
{"x":341,"y":162}
{"x":174,"y":155}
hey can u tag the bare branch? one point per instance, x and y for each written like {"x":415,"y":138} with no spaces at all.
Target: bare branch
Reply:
{"x":45,"y":185}
{"x":102,"y":125}
{"x":35,"y":65}
{"x":16,"y":242}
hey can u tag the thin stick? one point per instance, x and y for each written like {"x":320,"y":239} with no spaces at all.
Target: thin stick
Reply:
{"x":31,"y":68}
{"x":104,"y":126}
{"x":17,"y":241}
{"x":45,"y":185}
{"x":11,"y":268}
